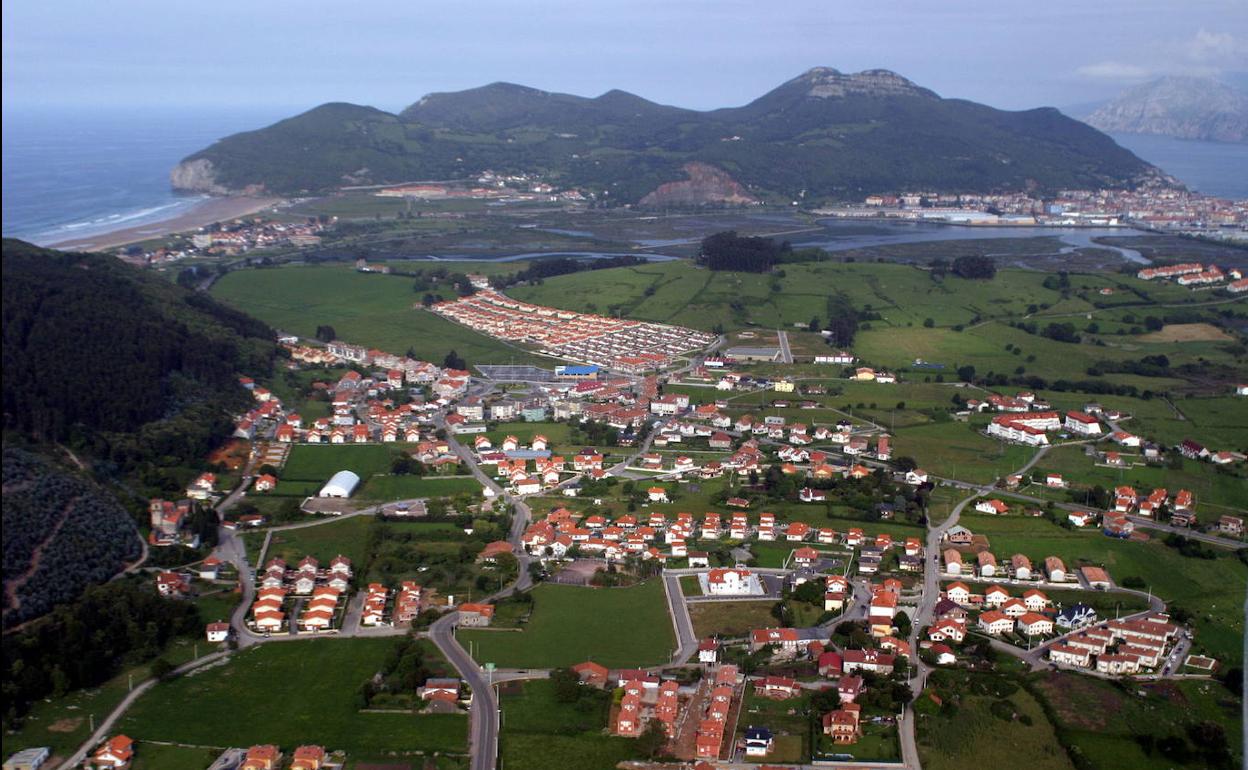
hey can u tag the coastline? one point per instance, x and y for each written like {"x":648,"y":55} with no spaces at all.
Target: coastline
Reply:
{"x":205,"y":213}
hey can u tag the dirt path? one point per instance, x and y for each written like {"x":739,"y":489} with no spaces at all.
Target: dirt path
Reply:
{"x":11,"y":587}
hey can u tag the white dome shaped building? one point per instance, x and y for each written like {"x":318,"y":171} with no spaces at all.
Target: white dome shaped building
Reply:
{"x":342,"y":484}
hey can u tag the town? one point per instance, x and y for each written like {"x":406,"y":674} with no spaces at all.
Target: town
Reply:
{"x":699,"y":481}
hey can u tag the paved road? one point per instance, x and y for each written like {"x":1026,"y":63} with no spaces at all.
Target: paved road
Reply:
{"x":786,"y":354}
{"x":483,"y":714}
{"x":106,"y":726}
{"x":686,"y":639}
{"x":922,"y":618}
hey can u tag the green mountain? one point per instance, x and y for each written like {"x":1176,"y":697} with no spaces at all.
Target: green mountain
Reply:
{"x":824,"y":134}
{"x":134,"y":375}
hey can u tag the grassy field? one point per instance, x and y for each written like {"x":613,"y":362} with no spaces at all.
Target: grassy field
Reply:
{"x":730,"y":619}
{"x":289,"y":694}
{"x":1213,"y":590}
{"x":347,"y":537}
{"x":1218,"y":422}
{"x":407,"y":487}
{"x":685,"y":294}
{"x":216,"y":604}
{"x":904,"y":297}
{"x":558,"y":434}
{"x":1101,"y":720}
{"x":617,"y":627}
{"x":942,"y":502}
{"x":1217,"y":491}
{"x":958,"y":450}
{"x":62,"y":724}
{"x":972,"y":736}
{"x":366,"y":309}
{"x":309,"y":466}
{"x":539,"y":732}
{"x":156,"y":756}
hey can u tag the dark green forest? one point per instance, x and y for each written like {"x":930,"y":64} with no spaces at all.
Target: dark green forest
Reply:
{"x":86,"y":642}
{"x":136,"y":373}
{"x":133,"y":375}
{"x":80,"y":531}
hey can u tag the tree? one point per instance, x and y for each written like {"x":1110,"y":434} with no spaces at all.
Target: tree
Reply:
{"x":813,"y":325}
{"x":966,"y":373}
{"x":729,"y":251}
{"x":162,"y":669}
{"x":974,"y":267}
{"x":567,"y":685}
{"x":454,"y":361}
{"x":326,"y":333}
{"x":905,"y":463}
{"x":901,"y":621}
{"x":651,"y":742}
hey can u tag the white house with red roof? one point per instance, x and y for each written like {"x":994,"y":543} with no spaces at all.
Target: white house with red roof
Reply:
{"x":1082,"y":424}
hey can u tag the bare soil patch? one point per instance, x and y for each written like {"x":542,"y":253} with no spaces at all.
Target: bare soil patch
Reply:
{"x":1080,"y":704}
{"x":66,"y":725}
{"x":1187,"y":333}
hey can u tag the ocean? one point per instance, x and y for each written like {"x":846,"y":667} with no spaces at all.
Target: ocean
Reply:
{"x":1213,"y":168}
{"x":82,"y":172}
{"x":73,"y":174}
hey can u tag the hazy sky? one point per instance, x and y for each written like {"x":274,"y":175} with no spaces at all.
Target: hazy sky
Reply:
{"x":298,"y":53}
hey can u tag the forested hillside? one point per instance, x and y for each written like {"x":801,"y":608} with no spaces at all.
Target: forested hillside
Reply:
{"x":61,"y":534}
{"x":822,"y":135}
{"x":133,"y":371}
{"x":85,"y":643}
{"x":137,"y":377}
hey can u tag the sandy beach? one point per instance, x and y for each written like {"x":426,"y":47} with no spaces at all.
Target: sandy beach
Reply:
{"x":211,"y":210}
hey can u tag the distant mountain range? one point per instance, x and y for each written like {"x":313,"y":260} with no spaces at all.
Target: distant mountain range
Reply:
{"x":822,"y":135}
{"x":1182,"y":107}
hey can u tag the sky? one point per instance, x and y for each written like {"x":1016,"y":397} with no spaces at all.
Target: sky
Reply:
{"x":295,"y":54}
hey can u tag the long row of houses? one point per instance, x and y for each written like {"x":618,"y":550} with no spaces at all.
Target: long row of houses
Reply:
{"x":561,"y":530}
{"x":611,"y":342}
{"x":1117,"y":647}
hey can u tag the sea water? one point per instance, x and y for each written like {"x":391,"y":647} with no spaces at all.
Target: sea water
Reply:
{"x":74,"y":173}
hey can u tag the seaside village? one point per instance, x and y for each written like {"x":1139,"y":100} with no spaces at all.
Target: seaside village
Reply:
{"x":1157,"y":208}
{"x":435,"y":416}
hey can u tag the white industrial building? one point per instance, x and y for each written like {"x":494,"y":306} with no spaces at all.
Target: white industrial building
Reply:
{"x":342,"y":484}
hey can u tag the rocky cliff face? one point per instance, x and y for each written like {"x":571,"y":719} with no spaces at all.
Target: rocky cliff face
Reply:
{"x":705,"y":186}
{"x":827,"y":83}
{"x":197,"y":175}
{"x":1185,"y":108}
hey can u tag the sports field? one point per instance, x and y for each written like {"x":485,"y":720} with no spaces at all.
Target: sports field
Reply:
{"x":289,"y":693}
{"x":309,"y":466}
{"x":617,"y":627}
